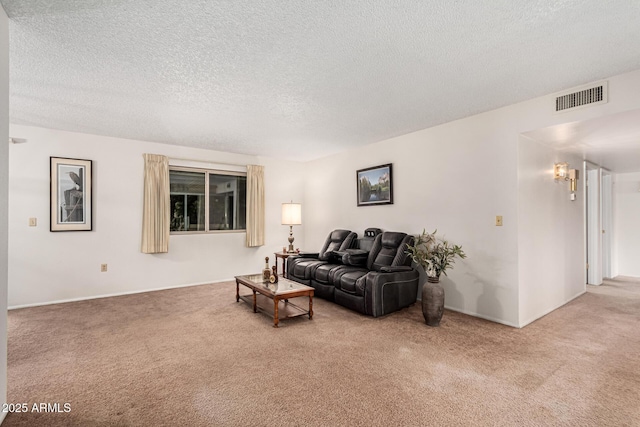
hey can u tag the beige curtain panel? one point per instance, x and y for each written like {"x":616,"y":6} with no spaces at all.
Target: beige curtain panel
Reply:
{"x":155,"y":220}
{"x":255,"y":206}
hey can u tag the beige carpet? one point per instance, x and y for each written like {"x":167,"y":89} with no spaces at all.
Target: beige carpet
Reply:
{"x":193,"y":356}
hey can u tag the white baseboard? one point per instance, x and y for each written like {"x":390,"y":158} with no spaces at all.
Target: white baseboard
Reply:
{"x":474,"y":314}
{"x":38,"y":304}
{"x":536,"y":317}
{"x":481,"y":316}
{"x":504,"y":322}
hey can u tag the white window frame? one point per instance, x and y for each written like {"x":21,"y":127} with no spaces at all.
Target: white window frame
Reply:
{"x":206,"y":172}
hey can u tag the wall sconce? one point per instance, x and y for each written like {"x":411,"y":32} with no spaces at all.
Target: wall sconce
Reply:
{"x":291,"y":215}
{"x":561,"y":171}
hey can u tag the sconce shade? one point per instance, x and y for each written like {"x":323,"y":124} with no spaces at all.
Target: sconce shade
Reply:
{"x":291,"y":214}
{"x":561,"y":171}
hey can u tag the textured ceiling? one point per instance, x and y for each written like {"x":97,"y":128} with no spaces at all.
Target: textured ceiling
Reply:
{"x":300,"y":79}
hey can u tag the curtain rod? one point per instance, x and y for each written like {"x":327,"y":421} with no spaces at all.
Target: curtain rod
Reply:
{"x":207,"y":161}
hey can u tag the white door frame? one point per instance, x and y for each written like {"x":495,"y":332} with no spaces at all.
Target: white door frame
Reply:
{"x":606,"y":210}
{"x":593,"y":229}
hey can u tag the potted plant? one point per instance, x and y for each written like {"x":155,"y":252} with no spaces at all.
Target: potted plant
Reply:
{"x":435,"y":256}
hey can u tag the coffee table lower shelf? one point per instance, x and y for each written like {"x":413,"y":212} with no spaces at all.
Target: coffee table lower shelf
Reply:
{"x":286,"y":309}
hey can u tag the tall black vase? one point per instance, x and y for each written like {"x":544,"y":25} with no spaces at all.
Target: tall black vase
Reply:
{"x":432,"y":302}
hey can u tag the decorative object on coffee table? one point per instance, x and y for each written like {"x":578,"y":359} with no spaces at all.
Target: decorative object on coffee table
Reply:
{"x":435,"y":256}
{"x":266,"y":272}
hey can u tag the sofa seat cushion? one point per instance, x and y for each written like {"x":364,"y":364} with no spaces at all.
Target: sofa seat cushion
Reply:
{"x":323,"y":273}
{"x":304,"y":269}
{"x":350,"y":283}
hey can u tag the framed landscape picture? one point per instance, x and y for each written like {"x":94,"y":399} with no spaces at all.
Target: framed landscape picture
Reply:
{"x":375,"y":185}
{"x":71,"y":197}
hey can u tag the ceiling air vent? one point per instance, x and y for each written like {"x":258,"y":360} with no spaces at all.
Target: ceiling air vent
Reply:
{"x":583,"y":96}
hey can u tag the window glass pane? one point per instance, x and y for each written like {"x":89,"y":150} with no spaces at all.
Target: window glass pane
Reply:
{"x":187,"y":201}
{"x":227,"y":202}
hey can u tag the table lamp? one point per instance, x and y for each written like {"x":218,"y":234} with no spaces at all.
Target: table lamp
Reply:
{"x":291,"y":215}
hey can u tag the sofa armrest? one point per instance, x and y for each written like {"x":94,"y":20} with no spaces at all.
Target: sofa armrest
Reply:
{"x":354,"y":257}
{"x":396,"y":269}
{"x":334,"y":257}
{"x":386,"y":292}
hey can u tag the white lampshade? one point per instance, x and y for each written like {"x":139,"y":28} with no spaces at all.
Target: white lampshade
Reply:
{"x":291,"y":214}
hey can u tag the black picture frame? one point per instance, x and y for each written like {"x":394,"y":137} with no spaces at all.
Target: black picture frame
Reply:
{"x":71,"y":194}
{"x":375,"y":185}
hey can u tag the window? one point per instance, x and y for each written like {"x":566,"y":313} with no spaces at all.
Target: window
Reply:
{"x":227,"y":202}
{"x":207,"y":200}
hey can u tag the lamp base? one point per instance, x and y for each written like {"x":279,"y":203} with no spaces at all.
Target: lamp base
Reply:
{"x":291,"y":250}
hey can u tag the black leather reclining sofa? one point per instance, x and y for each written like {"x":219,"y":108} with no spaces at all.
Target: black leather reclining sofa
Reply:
{"x":371,"y":275}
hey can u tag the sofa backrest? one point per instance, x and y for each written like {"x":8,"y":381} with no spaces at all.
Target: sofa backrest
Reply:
{"x":389,"y":250}
{"x":366,"y":242}
{"x":338,"y":240}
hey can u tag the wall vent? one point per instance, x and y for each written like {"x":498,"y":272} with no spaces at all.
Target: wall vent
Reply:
{"x":583,"y":96}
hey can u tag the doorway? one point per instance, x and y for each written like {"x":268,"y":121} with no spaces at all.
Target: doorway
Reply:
{"x":599,"y":222}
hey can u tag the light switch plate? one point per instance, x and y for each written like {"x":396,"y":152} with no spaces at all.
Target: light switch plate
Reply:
{"x":33,"y":222}
{"x":498,"y":220}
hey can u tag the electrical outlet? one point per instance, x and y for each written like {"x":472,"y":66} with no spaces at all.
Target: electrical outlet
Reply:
{"x":498,"y":220}
{"x":33,"y":222}
{"x":103,"y":268}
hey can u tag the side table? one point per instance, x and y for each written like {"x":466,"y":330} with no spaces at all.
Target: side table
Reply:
{"x":284,"y":256}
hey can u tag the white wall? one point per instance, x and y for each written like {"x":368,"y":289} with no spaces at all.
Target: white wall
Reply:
{"x":440,"y":181}
{"x":455,"y":177}
{"x":626,"y":214}
{"x":551,"y":267}
{"x":4,"y":195}
{"x":46,"y":267}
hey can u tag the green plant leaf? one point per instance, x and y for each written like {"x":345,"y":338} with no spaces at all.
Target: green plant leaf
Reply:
{"x":434,"y":255}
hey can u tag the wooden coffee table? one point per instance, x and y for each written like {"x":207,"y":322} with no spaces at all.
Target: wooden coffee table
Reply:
{"x":273,"y":298}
